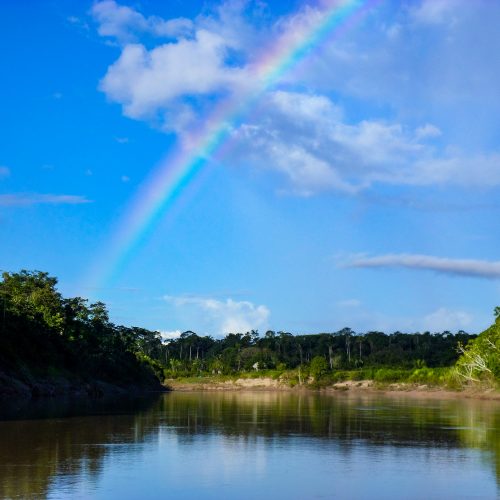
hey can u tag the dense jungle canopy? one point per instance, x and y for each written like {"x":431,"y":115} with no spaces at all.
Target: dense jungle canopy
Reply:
{"x":44,"y":334}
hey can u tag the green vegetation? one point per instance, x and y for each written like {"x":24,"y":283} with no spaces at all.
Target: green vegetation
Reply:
{"x":439,"y":359}
{"x":45,"y":336}
{"x":317,"y":360}
{"x":49,"y":343}
{"x":439,"y":376}
{"x":480,"y":359}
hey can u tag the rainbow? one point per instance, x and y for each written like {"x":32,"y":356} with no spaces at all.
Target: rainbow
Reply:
{"x":173,"y":175}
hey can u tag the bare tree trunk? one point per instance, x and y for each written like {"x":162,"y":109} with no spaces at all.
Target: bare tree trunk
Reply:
{"x":348,"y":347}
{"x":330,"y":355}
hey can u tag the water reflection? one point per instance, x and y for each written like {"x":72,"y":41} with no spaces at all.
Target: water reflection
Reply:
{"x":184,"y":442}
{"x":42,"y":440}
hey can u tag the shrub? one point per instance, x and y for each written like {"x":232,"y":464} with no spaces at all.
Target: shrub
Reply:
{"x":390,"y":375}
{"x":480,"y":359}
{"x":318,"y":367}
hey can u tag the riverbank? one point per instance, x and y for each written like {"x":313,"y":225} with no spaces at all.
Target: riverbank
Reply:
{"x":69,"y":385}
{"x":348,"y":386}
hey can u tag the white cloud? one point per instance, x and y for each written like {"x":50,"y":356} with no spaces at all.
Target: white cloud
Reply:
{"x":147,"y":82}
{"x":228,"y":20}
{"x":125,"y":23}
{"x":441,"y":66}
{"x":480,"y":170}
{"x":170,"y":335}
{"x":438,"y":320}
{"x":19,"y":199}
{"x":436,"y":11}
{"x":305,"y":137}
{"x":223,"y":316}
{"x":445,"y":319}
{"x":166,"y":85}
{"x":458,"y":267}
{"x":160,"y":84}
{"x":4,"y":172}
{"x":427,"y":131}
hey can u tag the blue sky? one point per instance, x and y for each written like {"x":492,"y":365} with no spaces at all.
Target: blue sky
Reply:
{"x":361,"y":188}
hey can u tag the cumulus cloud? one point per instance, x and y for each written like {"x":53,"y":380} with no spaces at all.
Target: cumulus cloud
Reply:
{"x":305,"y":137}
{"x":224,"y":316}
{"x":147,"y":82}
{"x":445,"y":319}
{"x":160,"y":84}
{"x":170,"y":335}
{"x":125,"y":24}
{"x":19,"y":199}
{"x":168,"y":83}
{"x":457,"y":267}
{"x":438,"y":320}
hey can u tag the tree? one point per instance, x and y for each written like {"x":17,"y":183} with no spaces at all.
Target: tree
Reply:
{"x":42,"y":330}
{"x":33,"y":294}
{"x":480,"y":359}
{"x":318,"y":367}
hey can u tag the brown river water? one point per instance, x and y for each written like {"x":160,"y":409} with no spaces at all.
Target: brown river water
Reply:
{"x":251,"y":445}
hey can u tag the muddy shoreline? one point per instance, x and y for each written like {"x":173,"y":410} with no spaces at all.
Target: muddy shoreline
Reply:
{"x":362,"y":386}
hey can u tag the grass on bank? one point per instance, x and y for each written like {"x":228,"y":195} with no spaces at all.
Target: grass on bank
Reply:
{"x":381,"y":376}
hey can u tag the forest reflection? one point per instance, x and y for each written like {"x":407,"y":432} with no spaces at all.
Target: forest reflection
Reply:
{"x":68,"y":441}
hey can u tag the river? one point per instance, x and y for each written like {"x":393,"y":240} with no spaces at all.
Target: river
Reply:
{"x":251,"y":445}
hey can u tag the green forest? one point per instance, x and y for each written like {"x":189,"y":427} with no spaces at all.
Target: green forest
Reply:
{"x":49,"y":339}
{"x":51,"y":344}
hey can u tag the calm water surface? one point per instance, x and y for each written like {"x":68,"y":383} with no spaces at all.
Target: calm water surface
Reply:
{"x":252,"y":445}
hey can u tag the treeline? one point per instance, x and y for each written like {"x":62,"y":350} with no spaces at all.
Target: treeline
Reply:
{"x":192,"y":354}
{"x":44,"y":336}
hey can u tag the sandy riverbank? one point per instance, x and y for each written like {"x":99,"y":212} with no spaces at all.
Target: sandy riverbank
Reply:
{"x":269,"y":384}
